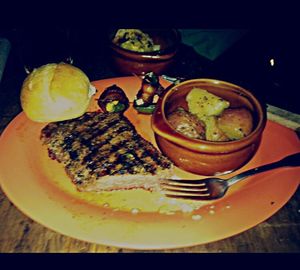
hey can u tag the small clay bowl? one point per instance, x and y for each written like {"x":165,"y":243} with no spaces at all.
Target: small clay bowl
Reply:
{"x":127,"y":62}
{"x":201,"y":156}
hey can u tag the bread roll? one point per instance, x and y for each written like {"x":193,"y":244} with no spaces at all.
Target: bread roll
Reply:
{"x":56,"y":92}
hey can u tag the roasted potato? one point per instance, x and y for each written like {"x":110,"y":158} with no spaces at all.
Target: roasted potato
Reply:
{"x":213,"y":132}
{"x":203,"y":104}
{"x":236,"y":123}
{"x":187,"y":124}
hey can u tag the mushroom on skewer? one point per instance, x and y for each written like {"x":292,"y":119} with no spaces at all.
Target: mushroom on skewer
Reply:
{"x":149,"y":93}
{"x":113,"y":99}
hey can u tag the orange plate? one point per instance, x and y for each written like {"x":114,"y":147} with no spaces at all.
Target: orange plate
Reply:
{"x":39,"y":187}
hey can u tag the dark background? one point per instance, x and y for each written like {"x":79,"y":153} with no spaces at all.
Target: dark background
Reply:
{"x":245,"y":63}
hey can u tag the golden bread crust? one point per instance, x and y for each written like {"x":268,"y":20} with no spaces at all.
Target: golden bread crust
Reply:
{"x":55,"y":92}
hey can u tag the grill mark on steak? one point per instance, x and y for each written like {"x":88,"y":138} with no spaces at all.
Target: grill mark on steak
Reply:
{"x":100,"y":144}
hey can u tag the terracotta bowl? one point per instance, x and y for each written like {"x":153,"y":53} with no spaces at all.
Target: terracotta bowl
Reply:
{"x":128,"y":62}
{"x":201,"y":156}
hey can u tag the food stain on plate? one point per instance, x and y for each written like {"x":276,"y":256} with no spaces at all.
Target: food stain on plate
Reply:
{"x":133,"y":201}
{"x":125,"y":200}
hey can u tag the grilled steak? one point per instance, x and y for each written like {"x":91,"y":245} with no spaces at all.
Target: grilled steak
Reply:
{"x":103,"y":151}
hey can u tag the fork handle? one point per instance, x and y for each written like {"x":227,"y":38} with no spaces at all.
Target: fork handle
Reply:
{"x":289,"y":161}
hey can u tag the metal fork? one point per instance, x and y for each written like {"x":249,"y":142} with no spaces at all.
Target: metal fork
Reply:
{"x":215,"y":188}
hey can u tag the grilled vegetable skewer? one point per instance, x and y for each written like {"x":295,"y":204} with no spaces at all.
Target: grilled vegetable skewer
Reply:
{"x":148,"y":95}
{"x":113,"y":99}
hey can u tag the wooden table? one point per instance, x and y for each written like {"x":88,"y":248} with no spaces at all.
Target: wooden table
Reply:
{"x":280,"y":233}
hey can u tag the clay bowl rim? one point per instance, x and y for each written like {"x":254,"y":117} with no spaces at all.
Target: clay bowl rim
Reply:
{"x":159,"y":55}
{"x":204,"y":146}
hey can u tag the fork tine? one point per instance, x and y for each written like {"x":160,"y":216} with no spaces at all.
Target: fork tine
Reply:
{"x":186,"y":193}
{"x":186,"y":189}
{"x":189,"y":197}
{"x":179,"y":182}
{"x":201,"y":189}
